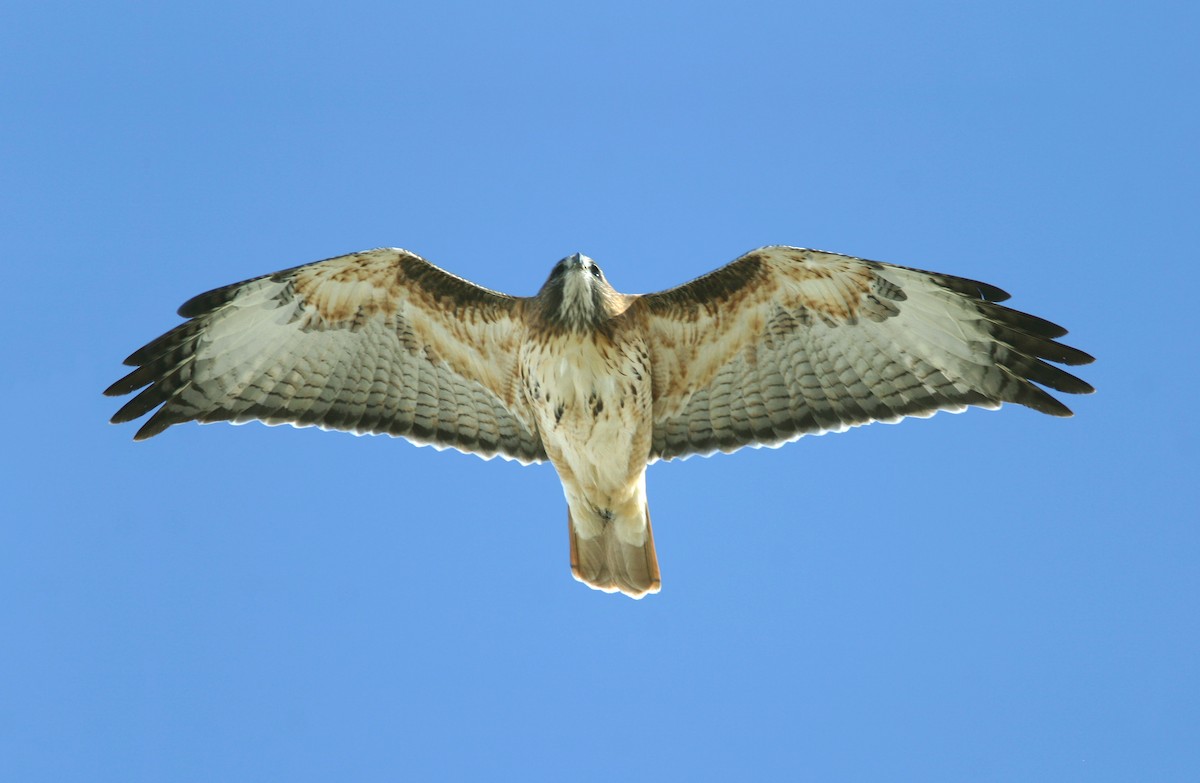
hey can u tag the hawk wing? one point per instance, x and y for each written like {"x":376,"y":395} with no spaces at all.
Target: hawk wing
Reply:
{"x":380,"y":341}
{"x":787,"y":341}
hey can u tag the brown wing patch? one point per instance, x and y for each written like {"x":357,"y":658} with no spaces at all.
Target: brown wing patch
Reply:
{"x":834,"y":290}
{"x":812,"y":285}
{"x":722,"y":289}
{"x":357,"y":289}
{"x":433,"y":285}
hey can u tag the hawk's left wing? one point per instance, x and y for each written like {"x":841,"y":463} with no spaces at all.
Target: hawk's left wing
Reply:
{"x":380,"y":341}
{"x":786,"y":341}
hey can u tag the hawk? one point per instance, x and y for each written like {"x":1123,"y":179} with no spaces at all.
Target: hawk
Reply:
{"x":780,"y":343}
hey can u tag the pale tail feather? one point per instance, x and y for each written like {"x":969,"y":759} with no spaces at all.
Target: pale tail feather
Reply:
{"x":606,"y":563}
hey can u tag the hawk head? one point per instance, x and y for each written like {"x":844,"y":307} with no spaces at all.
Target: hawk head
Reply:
{"x":577,"y":296}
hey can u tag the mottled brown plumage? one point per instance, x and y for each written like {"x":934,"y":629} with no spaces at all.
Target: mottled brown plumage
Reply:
{"x":782,"y":342}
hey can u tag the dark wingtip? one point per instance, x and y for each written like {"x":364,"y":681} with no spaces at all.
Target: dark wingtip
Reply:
{"x":131,"y":382}
{"x":131,"y":410}
{"x":211,"y":300}
{"x":1079,"y":357}
{"x":1051,"y":406}
{"x":160,"y":421}
{"x":1065,"y":354}
{"x":972,"y":288}
{"x":991,"y":293}
{"x":198,"y":305}
{"x":116,"y":389}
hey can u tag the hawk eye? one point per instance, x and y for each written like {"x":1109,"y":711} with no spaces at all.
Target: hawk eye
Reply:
{"x":595,"y":270}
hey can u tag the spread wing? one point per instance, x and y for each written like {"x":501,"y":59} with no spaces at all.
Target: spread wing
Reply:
{"x":786,"y":341}
{"x":380,"y":341}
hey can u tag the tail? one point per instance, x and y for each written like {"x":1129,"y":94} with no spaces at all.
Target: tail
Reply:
{"x":605,"y":562}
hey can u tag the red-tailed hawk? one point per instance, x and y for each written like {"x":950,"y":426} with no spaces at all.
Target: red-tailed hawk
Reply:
{"x":780,"y":343}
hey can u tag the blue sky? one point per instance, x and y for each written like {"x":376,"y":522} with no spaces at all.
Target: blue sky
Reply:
{"x":989,"y":596}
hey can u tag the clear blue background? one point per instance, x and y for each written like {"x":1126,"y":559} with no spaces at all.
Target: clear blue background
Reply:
{"x":991,"y":596}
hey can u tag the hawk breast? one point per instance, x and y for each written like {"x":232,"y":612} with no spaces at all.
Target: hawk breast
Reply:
{"x":591,"y":398}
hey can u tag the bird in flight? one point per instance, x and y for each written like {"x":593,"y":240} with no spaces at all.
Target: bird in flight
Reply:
{"x":780,"y":343}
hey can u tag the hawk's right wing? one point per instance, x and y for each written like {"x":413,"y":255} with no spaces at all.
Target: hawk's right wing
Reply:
{"x":380,"y":341}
